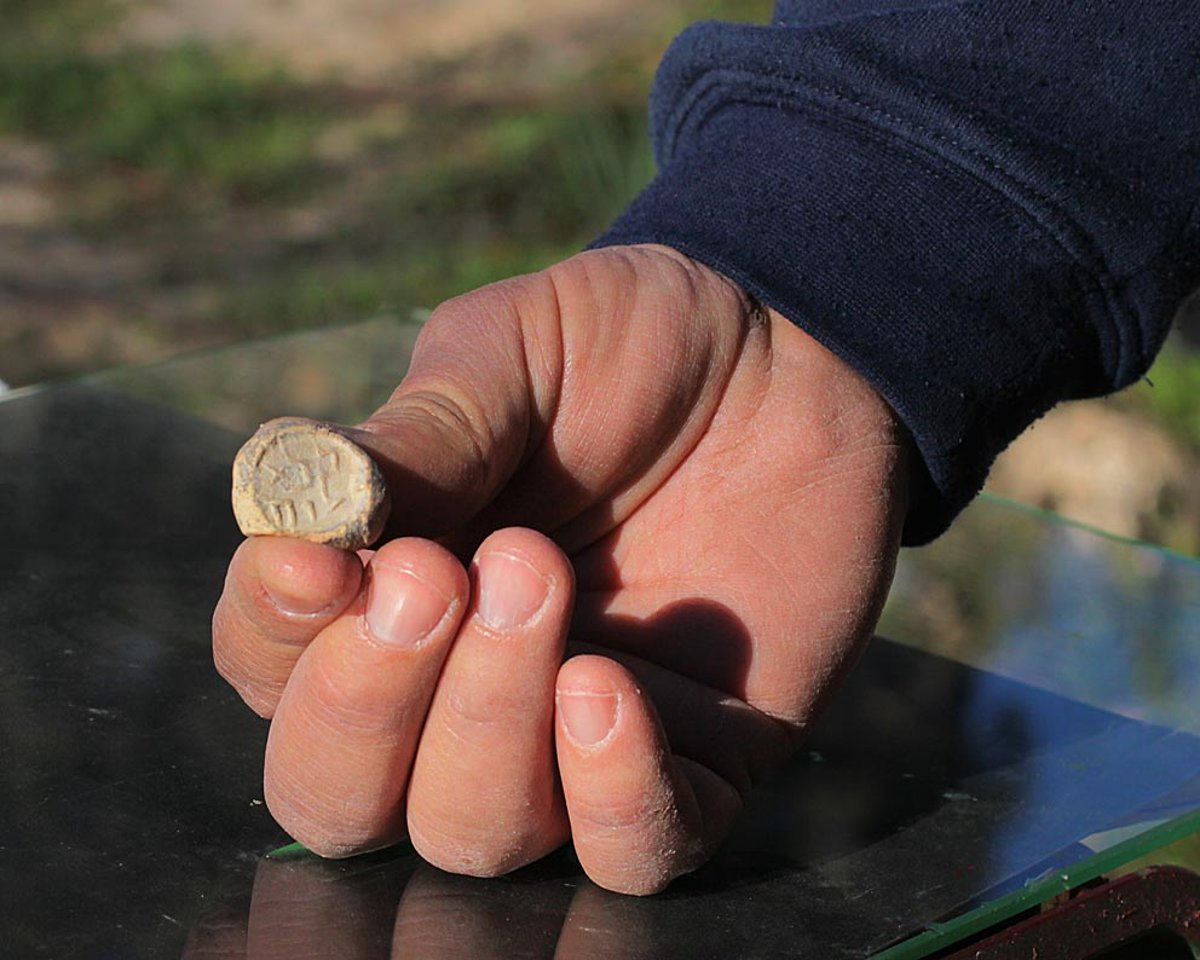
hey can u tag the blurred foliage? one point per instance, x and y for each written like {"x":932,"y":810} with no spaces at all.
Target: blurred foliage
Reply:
{"x":186,"y":140}
{"x":502,"y":191}
{"x":54,"y":23}
{"x":480,"y":191}
{"x":175,"y":114}
{"x":1171,"y":393}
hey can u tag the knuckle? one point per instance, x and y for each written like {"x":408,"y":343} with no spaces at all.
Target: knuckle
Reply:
{"x":458,"y":422}
{"x":234,"y":665}
{"x":635,"y":873}
{"x":641,"y":864}
{"x":485,"y":836}
{"x":474,"y":856}
{"x":263,"y":699}
{"x":632,"y":814}
{"x":352,"y":702}
{"x":330,"y":844}
{"x":331,"y":826}
{"x":473,"y":716}
{"x":634,"y":863}
{"x":226,"y":648}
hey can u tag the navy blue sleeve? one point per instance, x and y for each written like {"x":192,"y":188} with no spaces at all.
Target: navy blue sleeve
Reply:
{"x":984,"y":207}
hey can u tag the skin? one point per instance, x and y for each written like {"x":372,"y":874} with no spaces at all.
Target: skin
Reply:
{"x":642,"y":527}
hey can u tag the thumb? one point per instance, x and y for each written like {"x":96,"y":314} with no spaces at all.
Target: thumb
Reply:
{"x":484,"y":377}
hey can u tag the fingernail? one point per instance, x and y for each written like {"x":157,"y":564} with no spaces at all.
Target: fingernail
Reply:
{"x":588,"y":717}
{"x":402,"y":607}
{"x":511,"y":590}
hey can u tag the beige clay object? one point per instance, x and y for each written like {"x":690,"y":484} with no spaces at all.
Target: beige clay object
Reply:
{"x":299,"y":478}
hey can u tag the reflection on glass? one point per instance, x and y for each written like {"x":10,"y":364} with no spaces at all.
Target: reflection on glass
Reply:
{"x":929,"y":789}
{"x":1016,"y":593}
{"x":340,"y":375}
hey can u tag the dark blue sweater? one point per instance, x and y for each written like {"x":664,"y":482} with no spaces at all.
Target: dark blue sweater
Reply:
{"x":984,"y":206}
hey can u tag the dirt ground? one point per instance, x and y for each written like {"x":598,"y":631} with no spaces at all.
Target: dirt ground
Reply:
{"x":379,"y":41}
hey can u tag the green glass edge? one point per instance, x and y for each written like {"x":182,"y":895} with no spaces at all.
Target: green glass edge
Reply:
{"x":942,"y":935}
{"x":288,"y":851}
{"x":1042,"y":512}
{"x":296,"y":850}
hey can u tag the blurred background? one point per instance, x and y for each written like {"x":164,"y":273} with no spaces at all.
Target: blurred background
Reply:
{"x":177,"y":174}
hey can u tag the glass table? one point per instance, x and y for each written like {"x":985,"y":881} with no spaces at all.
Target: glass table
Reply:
{"x":1031,"y":722}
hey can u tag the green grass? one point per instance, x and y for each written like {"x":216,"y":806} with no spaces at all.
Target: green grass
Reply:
{"x":179,"y":117}
{"x":558,"y":171}
{"x":484,"y":193}
{"x":480,"y":192}
{"x":471,"y":192}
{"x":1171,"y":394}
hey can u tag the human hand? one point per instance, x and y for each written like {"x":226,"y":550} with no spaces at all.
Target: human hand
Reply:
{"x":720,"y":502}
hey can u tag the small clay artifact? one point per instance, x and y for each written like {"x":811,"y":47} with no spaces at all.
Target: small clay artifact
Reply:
{"x":300,"y":478}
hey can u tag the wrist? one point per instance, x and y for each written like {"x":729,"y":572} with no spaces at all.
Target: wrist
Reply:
{"x":841,"y":412}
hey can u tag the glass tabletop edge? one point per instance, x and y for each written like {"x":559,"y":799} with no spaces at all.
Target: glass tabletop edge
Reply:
{"x":939,"y":936}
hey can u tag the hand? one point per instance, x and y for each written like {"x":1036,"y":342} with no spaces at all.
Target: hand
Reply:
{"x":719,"y":501}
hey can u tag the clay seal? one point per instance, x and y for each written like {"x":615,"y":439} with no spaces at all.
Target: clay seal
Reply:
{"x":300,"y":478}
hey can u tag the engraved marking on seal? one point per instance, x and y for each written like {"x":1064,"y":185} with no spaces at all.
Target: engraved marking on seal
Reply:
{"x":284,"y":513}
{"x":300,"y":472}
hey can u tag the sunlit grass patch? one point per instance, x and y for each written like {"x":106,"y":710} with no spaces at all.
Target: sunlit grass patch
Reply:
{"x":1172,"y":392}
{"x":476,"y":195}
{"x":179,"y":115}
